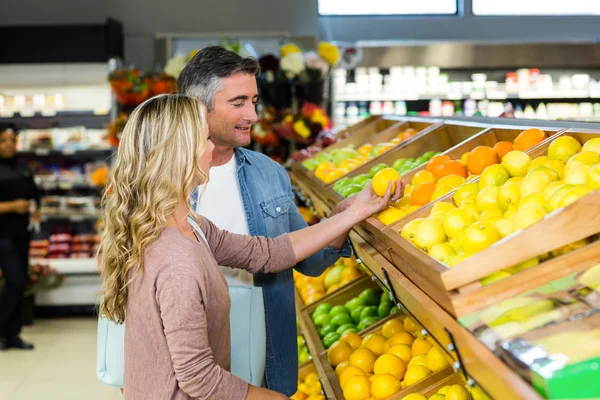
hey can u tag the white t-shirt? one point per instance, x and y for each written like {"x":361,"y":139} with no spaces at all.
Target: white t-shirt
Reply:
{"x":220,"y":201}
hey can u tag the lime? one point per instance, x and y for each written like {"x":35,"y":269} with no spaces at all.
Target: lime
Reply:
{"x":356,"y":302}
{"x":366,"y":322}
{"x":325,"y":307}
{"x":355,"y":314}
{"x":370,"y":297}
{"x":352,"y":329}
{"x":394,"y":310}
{"x":341,"y":319}
{"x":322,"y":320}
{"x":370,"y":311}
{"x":338,"y":310}
{"x":331,"y":327}
{"x":376,"y":169}
{"x":330,"y":339}
{"x":399,"y":163}
{"x":342,"y":328}
{"x":360,"y":179}
{"x":384,"y":309}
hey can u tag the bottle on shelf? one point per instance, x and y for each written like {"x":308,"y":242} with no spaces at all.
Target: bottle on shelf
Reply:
{"x":529,"y":112}
{"x":400,"y":108}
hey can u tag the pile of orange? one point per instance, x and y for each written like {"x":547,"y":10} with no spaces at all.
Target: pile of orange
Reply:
{"x":313,"y":289}
{"x":309,"y":389}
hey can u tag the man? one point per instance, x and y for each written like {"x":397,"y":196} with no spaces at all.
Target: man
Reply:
{"x":249,"y":193}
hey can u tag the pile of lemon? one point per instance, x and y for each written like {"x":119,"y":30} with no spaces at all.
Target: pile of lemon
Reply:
{"x":508,"y":197}
{"x":448,"y":392}
{"x":309,"y":389}
{"x":381,"y":365}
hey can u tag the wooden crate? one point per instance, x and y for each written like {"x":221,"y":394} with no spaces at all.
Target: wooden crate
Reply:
{"x":366,"y":132}
{"x":453,"y":379}
{"x":457,"y":289}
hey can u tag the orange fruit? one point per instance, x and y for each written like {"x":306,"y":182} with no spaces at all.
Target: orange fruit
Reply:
{"x":384,"y":386}
{"x":353,"y":339}
{"x":420,"y":346}
{"x":402,"y":337}
{"x":350,"y":273}
{"x":422,"y":194}
{"x":363,"y":359}
{"x":348,"y":373}
{"x":381,"y":180}
{"x":376,"y":344}
{"x":357,"y":388}
{"x":480,"y":158}
{"x":392,"y":327}
{"x":435,"y":162}
{"x":390,"y":364}
{"x":403,"y":351}
{"x":365,"y":149}
{"x":410,"y":132}
{"x":338,"y":353}
{"x":452,"y":167}
{"x":529,"y":138}
{"x":340,"y":368}
{"x":502,"y":148}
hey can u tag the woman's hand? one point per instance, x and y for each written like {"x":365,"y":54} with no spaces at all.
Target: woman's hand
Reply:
{"x":367,"y":203}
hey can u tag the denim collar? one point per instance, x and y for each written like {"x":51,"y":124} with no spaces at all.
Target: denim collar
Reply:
{"x":241,"y":157}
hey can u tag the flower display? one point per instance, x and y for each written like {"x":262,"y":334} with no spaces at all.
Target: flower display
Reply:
{"x":289,"y":48}
{"x":329,"y":52}
{"x":292,"y":65}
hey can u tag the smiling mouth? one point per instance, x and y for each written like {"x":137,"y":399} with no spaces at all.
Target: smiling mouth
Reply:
{"x":243,"y":128}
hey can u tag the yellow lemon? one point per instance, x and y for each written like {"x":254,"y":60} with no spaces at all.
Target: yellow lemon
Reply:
{"x":402,"y":337}
{"x":429,"y":233}
{"x":403,"y":351}
{"x":382,"y":179}
{"x":415,"y":396}
{"x":516,"y":163}
{"x":341,"y":368}
{"x":404,"y":203}
{"x":436,"y":360}
{"x":437,"y":396}
{"x":412,"y":209}
{"x":385,"y":386}
{"x":559,"y":167}
{"x":409,"y":231}
{"x":451,"y":180}
{"x":338,"y":352}
{"x":390,"y":364}
{"x":593,"y":177}
{"x":505,"y":227}
{"x":457,"y":392}
{"x":421,"y":346}
{"x":423,"y":177}
{"x":444,"y":390}
{"x":348,"y":373}
{"x":508,"y":195}
{"x":353,"y":339}
{"x":357,"y":388}
{"x":410,"y":326}
{"x":538,"y":162}
{"x":466,"y":191}
{"x":333,"y":175}
{"x":494,"y":175}
{"x":390,"y":215}
{"x":415,"y":374}
{"x":564,"y":148}
{"x":441,"y":208}
{"x":420,"y":359}
{"x":534,"y":198}
{"x":487,"y":198}
{"x":528,"y":215}
{"x":392,"y":327}
{"x":577,"y":175}
{"x":534,"y":182}
{"x":574,"y":194}
{"x":551,"y":188}
{"x":442,"y":252}
{"x":441,"y":191}
{"x":480,"y":236}
{"x":456,"y":221}
{"x":591,"y":145}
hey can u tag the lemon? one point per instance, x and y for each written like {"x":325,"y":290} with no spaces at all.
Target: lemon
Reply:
{"x":357,"y":388}
{"x":528,"y":215}
{"x":390,"y":364}
{"x":564,"y":148}
{"x":592,"y":145}
{"x":538,"y":162}
{"x":534,"y":182}
{"x":535,"y":198}
{"x":392,"y":327}
{"x":338,"y":353}
{"x":548,"y":171}
{"x":508,"y":195}
{"x":586,"y":157}
{"x":415,"y":396}
{"x":456,"y":221}
{"x":487,"y":198}
{"x":451,"y":180}
{"x":442,"y":252}
{"x":573,"y":195}
{"x":437,"y":397}
{"x":512,"y":210}
{"x":420,"y":359}
{"x":460,"y":257}
{"x":516,"y":163}
{"x":409,"y":231}
{"x":403,"y":337}
{"x":577,"y":175}
{"x":557,"y":196}
{"x":412,"y":209}
{"x":505,"y":227}
{"x":466,"y":191}
{"x":493,"y":214}
{"x":404,"y":203}
{"x":480,"y":236}
{"x":436,"y":360}
{"x":421,"y":346}
{"x":457,"y":392}
{"x":429,"y":233}
{"x":456,"y":243}
{"x":403,"y":351}
{"x":593,"y":177}
{"x":494,"y":277}
{"x":363,"y":359}
{"x":444,"y":390}
{"x":441,"y":208}
{"x":340,"y":368}
{"x":385,"y":386}
{"x":382,"y":179}
{"x":441,"y":191}
{"x":410,"y":326}
{"x":517,"y":179}
{"x":557,"y":166}
{"x":423,"y":177}
{"x":348,"y":373}
{"x":375,"y":343}
{"x":391,"y":215}
{"x":523,"y":266}
{"x":494,"y":175}
{"x":416,"y":374}
{"x":472,"y":208}
{"x":551,"y":188}
{"x":408,"y":189}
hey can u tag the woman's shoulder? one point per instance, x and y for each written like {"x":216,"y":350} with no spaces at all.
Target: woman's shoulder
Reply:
{"x":173,"y":250}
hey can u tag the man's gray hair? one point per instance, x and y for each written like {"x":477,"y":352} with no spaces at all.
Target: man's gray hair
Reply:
{"x":201,"y":77}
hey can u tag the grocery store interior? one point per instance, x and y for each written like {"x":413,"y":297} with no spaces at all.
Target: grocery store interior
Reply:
{"x":480,"y":282}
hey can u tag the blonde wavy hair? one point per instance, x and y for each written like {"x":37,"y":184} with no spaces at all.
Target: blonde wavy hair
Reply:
{"x":156,"y":167}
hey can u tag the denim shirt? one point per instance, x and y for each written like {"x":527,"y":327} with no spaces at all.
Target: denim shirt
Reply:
{"x":270,"y":211}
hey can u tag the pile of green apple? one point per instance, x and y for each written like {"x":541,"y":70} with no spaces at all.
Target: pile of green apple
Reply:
{"x":356,"y":315}
{"x":303,"y":354}
{"x":346,"y":187}
{"x":335,"y":156}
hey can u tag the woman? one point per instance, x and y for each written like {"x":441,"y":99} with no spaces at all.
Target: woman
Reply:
{"x":17,"y":189}
{"x":177,"y":341}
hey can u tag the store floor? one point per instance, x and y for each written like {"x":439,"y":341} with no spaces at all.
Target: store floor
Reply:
{"x":62,"y":366}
